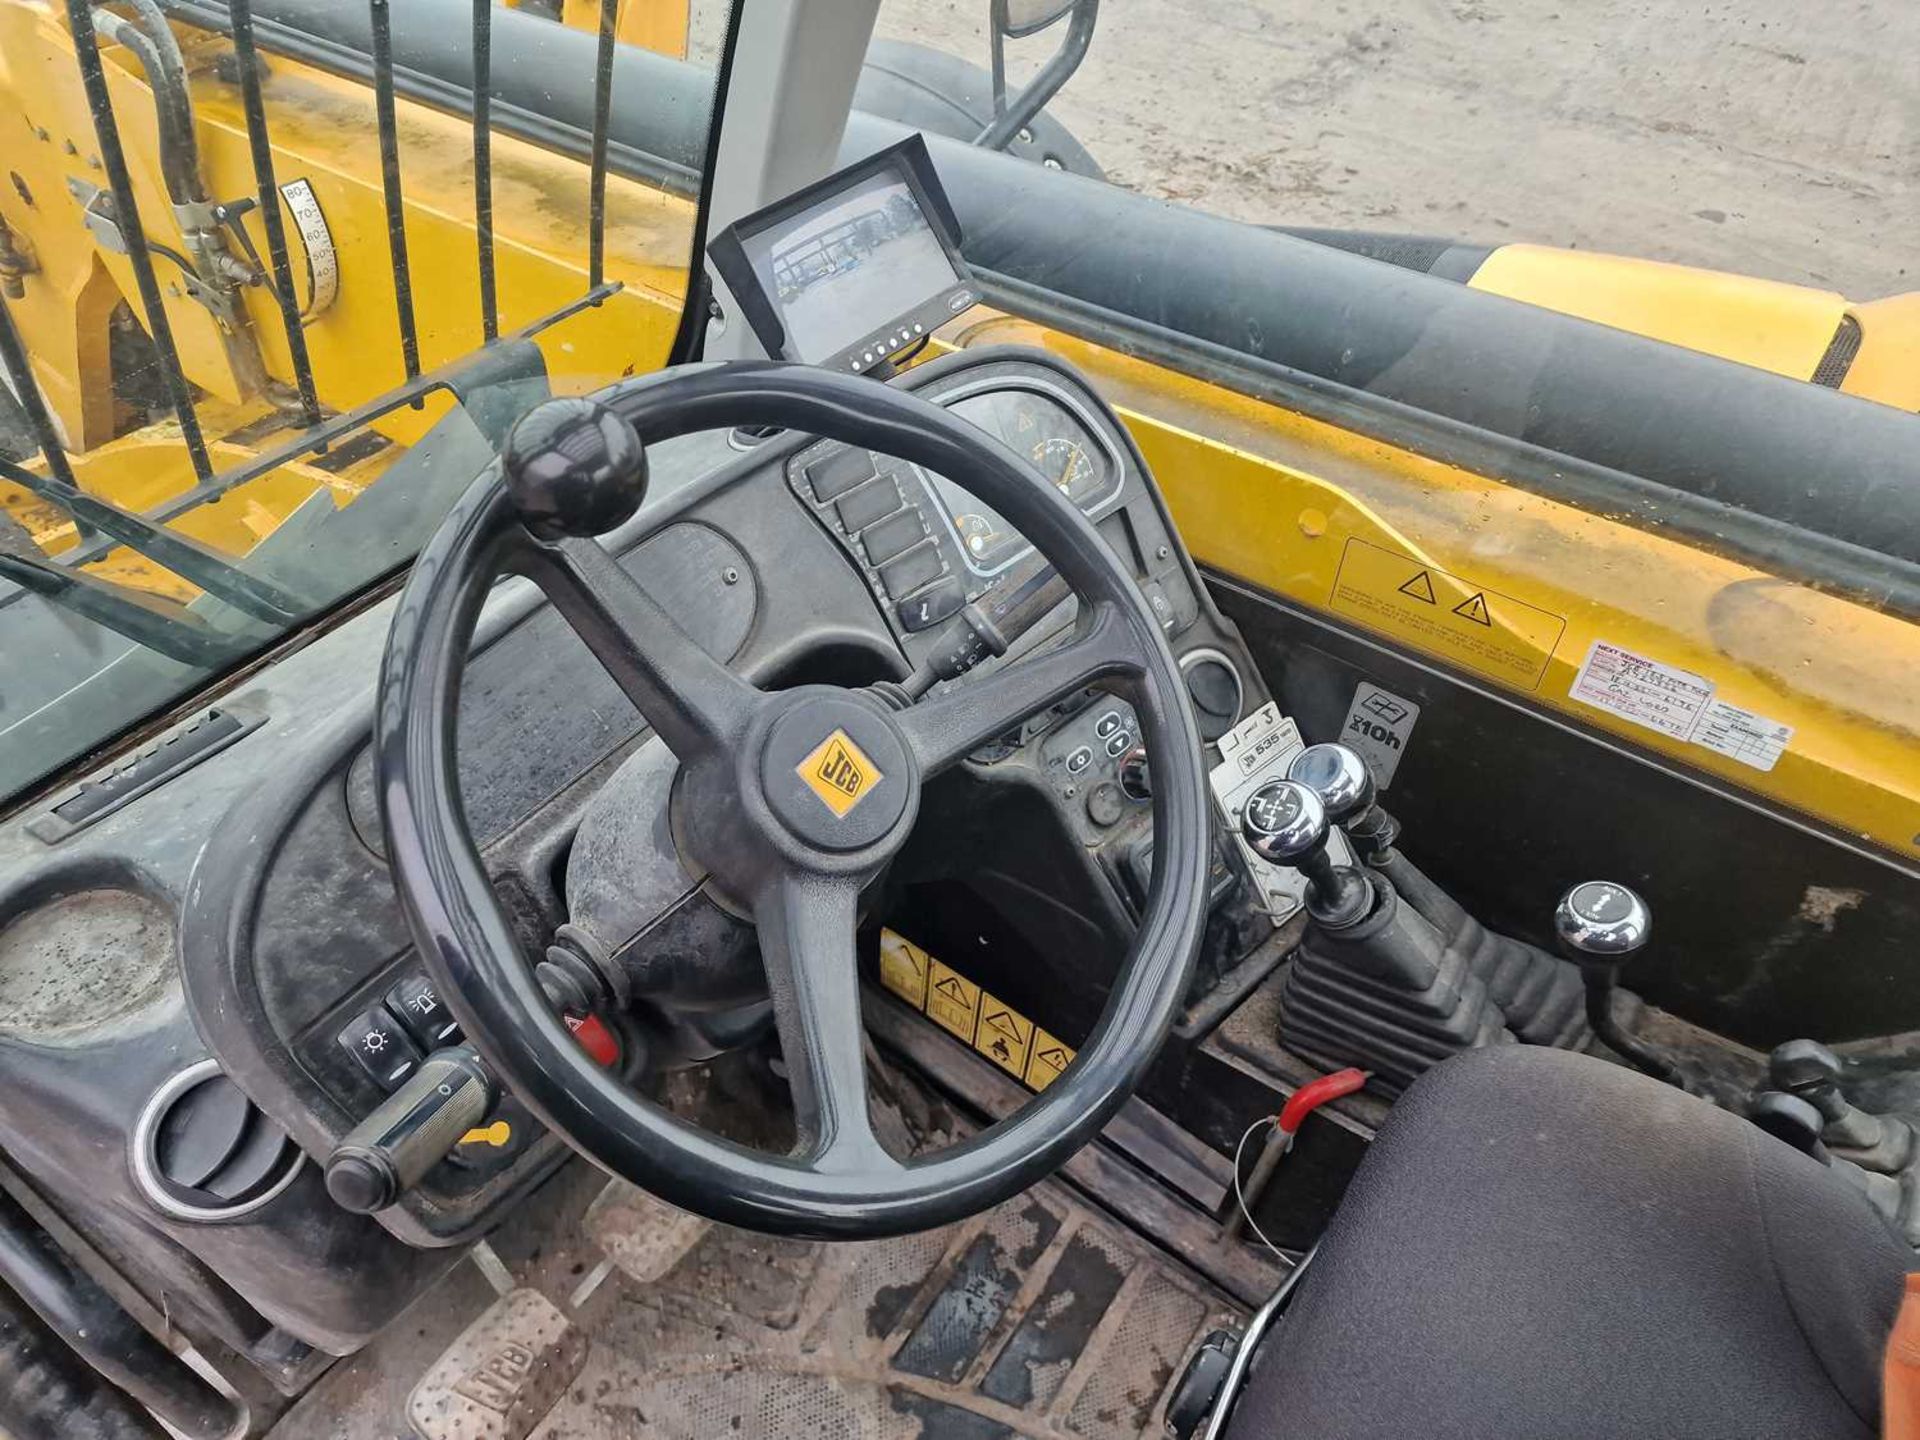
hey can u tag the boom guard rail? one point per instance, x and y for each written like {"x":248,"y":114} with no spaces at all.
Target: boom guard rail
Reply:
{"x":1804,"y":481}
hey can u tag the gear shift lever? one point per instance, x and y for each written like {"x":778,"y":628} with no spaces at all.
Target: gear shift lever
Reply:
{"x":1339,"y":777}
{"x":1602,"y":925}
{"x":1285,"y":823}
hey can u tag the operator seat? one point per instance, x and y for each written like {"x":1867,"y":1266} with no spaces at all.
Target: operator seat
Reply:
{"x":1541,"y":1245}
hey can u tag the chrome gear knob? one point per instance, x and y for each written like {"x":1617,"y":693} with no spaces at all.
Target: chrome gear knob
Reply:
{"x":1284,"y":822}
{"x":1339,"y":777}
{"x":1602,"y":923}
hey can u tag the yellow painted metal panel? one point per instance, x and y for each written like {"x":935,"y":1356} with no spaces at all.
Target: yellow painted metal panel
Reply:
{"x":323,"y":132}
{"x":1764,"y":323}
{"x":658,"y":25}
{"x":1887,"y":367}
{"x":1277,"y":498}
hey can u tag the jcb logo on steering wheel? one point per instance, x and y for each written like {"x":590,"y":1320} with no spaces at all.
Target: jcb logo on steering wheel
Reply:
{"x":839,"y":772}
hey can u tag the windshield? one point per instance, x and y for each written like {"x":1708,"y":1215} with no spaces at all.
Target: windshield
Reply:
{"x":1572,"y":348}
{"x":273,"y":294}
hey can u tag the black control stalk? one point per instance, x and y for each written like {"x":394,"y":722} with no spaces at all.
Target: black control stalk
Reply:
{"x":1025,"y":596}
{"x":385,"y":1155}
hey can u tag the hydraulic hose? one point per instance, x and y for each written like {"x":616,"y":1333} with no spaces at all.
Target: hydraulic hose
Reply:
{"x":152,"y":42}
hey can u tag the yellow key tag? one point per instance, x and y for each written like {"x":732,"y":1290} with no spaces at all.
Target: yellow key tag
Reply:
{"x":497,"y":1135}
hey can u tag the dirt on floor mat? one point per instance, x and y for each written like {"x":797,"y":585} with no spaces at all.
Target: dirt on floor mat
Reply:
{"x":1041,"y":1318}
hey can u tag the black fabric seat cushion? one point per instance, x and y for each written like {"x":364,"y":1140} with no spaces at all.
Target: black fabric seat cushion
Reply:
{"x":1541,"y":1244}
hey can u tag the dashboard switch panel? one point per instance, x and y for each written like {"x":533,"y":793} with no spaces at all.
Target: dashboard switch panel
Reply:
{"x":912,"y":570}
{"x":423,"y":1013}
{"x":869,"y":504}
{"x":893,"y":536}
{"x":382,"y":1047}
{"x":839,"y":473}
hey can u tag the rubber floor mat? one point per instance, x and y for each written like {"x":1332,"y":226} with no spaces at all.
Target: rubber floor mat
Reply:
{"x":1041,"y":1318}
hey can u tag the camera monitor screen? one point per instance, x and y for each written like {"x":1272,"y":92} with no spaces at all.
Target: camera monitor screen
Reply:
{"x":852,"y":270}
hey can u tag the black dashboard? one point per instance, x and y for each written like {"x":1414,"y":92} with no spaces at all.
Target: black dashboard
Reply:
{"x":237,"y":931}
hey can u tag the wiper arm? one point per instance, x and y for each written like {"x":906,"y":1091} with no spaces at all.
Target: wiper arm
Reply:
{"x":186,"y":557}
{"x":164,"y":626}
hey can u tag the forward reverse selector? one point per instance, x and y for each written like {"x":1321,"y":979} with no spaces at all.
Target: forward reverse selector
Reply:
{"x":1601,"y":925}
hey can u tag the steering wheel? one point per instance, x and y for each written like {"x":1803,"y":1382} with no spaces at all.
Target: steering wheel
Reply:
{"x":799,"y":853}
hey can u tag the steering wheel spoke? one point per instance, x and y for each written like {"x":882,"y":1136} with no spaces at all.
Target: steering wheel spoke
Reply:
{"x":944,"y":730}
{"x":791,"y":801}
{"x":807,"y":924}
{"x":691,"y":700}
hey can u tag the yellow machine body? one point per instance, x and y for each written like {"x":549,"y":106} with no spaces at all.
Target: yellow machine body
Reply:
{"x":1518,"y":588}
{"x":1788,"y":329}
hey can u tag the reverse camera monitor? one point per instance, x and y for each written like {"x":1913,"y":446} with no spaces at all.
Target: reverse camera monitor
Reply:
{"x":853,"y":269}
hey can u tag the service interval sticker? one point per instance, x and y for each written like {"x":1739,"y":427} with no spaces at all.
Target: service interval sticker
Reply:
{"x":1648,"y":693}
{"x":1749,"y":738}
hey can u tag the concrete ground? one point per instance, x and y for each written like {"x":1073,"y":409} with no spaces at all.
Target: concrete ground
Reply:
{"x":1778,"y":138}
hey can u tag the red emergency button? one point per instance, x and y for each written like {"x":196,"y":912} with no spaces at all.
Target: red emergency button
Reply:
{"x":594,"y":1038}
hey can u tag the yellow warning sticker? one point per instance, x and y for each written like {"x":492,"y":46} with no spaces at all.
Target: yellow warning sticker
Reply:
{"x":903,"y":968}
{"x":1468,"y":623}
{"x":1005,"y":1037}
{"x":1049,"y":1058}
{"x":953,"y":1002}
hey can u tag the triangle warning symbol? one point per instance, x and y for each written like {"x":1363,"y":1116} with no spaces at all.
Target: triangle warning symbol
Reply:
{"x":1420,"y":587}
{"x":1475,"y":609}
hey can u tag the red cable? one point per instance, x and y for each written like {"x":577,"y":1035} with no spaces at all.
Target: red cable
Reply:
{"x":1315,"y":1093}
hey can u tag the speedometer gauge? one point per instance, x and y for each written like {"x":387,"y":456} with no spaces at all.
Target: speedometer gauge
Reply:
{"x":1064,"y":463}
{"x":1034,"y":423}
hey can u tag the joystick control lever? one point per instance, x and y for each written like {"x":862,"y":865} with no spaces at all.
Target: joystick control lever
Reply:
{"x":1812,"y":1072}
{"x":1284,"y":823}
{"x":1601,"y":925}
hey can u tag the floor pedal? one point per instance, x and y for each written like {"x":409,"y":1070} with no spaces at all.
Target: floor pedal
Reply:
{"x":1039,"y":1320}
{"x":502,"y":1376}
{"x":642,"y":1235}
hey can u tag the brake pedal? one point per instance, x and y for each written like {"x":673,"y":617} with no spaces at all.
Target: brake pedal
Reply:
{"x":502,"y":1376}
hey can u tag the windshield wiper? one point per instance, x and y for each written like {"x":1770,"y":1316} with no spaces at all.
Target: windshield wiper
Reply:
{"x":184,"y":556}
{"x":164,"y":626}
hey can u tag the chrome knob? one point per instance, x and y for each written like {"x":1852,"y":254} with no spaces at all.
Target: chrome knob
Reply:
{"x":1284,"y":822}
{"x":1339,"y":777}
{"x":1602,"y":923}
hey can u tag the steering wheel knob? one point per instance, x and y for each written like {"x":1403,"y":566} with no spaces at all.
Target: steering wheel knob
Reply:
{"x":1339,"y":777}
{"x":574,"y":467}
{"x":1283,"y":821}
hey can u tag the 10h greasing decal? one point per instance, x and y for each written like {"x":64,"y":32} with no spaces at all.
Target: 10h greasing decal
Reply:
{"x":1378,"y":726}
